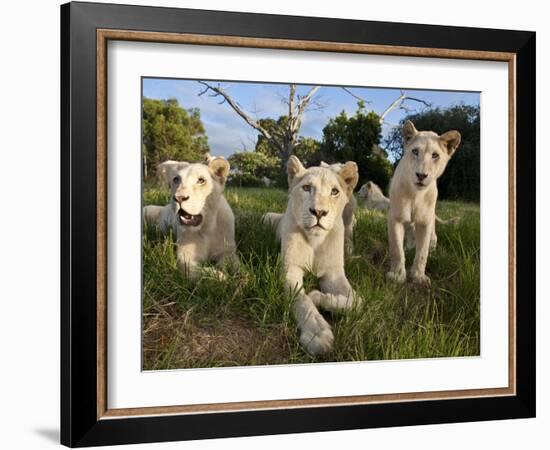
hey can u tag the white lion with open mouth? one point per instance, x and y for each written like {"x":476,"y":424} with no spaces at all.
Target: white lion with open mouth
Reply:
{"x":198,"y":213}
{"x":312,"y":238}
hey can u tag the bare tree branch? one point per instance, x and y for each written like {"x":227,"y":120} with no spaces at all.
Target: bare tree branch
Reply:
{"x":303,"y":101}
{"x":295,"y":120}
{"x":291,"y":111}
{"x":218,"y":91}
{"x":399,"y":103}
{"x":291,"y":95}
{"x":356,"y":96}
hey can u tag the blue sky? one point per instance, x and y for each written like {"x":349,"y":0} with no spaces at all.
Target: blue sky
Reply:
{"x":227,"y":132}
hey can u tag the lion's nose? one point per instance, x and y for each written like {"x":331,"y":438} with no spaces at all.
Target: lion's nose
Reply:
{"x":421,"y":176}
{"x":318,"y":212}
{"x":181,"y":198}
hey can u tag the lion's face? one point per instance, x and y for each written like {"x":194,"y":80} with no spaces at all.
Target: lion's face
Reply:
{"x":318,"y":195}
{"x":193,"y":187}
{"x":426,"y":154}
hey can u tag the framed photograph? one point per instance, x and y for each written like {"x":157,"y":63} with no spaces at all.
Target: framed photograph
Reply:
{"x":277,"y":224}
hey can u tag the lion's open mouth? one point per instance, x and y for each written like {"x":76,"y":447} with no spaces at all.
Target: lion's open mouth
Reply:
{"x":189,"y":219}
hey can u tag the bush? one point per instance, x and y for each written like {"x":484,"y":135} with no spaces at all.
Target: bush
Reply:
{"x":251,"y":168}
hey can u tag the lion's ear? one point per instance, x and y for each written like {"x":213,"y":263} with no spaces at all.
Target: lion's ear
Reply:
{"x":408,"y":132}
{"x":450,"y":141}
{"x":294,"y":168}
{"x":167,"y":169}
{"x":350,"y":175}
{"x":324,"y":164}
{"x":219,"y":167}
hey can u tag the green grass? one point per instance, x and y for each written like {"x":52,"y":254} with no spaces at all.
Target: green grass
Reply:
{"x":247,"y":320}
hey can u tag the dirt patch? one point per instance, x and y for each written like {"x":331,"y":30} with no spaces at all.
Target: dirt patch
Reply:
{"x":186,"y":342}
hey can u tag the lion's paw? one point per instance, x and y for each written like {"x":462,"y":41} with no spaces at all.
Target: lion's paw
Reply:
{"x":397,"y":276}
{"x":213,"y":273}
{"x":333,"y":302}
{"x":317,"y":344}
{"x":316,"y":336}
{"x":348,"y":248}
{"x":421,"y":279}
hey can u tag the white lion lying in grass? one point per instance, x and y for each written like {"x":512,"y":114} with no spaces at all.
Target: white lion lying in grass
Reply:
{"x":373,"y":197}
{"x":198,"y":213}
{"x":312,"y":238}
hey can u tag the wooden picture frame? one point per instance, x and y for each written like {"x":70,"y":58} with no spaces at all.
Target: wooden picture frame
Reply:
{"x":85,"y":416}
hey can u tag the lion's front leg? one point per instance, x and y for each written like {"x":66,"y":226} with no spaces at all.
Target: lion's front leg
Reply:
{"x":396,"y":232}
{"x":187,"y":264}
{"x":188,"y":258}
{"x":409,"y":236}
{"x":348,"y":215}
{"x":272,"y":219}
{"x":227,"y":258}
{"x":348,"y":239}
{"x":433,"y":239}
{"x":315,"y":333}
{"x":423,"y":236}
{"x":336,"y":292}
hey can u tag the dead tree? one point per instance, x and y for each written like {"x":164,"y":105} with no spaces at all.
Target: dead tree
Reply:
{"x":283,"y":140}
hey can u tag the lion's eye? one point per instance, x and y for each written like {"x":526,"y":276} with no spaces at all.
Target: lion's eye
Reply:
{"x":415,"y":151}
{"x":435,"y":155}
{"x":334,"y":192}
{"x":176,"y":180}
{"x":201,"y":180}
{"x":306,"y":187}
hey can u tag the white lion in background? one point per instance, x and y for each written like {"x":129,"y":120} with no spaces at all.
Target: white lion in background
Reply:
{"x":198,"y":214}
{"x":312,"y":238}
{"x":373,"y":197}
{"x":413,"y":197}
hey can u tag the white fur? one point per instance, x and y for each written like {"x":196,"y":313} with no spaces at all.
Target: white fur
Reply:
{"x":413,"y":201}
{"x":349,"y":211}
{"x":214,"y":238}
{"x":373,"y":197}
{"x":305,"y":246}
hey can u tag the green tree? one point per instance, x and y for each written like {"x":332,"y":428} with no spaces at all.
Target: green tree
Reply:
{"x":356,"y":138}
{"x":461,"y":179}
{"x":307,"y":150}
{"x":249,"y":168}
{"x":170,"y":132}
{"x":275,"y":128}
